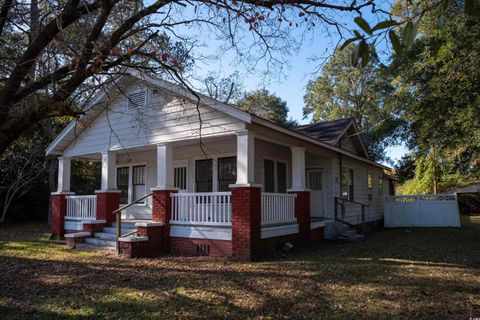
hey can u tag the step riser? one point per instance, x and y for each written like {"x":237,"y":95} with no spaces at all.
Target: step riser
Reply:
{"x":99,"y":242}
{"x":105,"y":236}
{"x":112,"y":230}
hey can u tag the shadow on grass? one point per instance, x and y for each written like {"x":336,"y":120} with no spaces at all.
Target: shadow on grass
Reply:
{"x":401,"y":273}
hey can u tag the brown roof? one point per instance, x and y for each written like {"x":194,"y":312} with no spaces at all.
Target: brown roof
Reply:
{"x":325,"y":131}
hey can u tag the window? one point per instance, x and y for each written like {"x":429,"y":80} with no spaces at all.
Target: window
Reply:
{"x":281,"y":177}
{"x":203,"y":175}
{"x":380,"y":185}
{"x":180,"y":178}
{"x":227,"y":173}
{"x":347,"y":183}
{"x":138,"y":183}
{"x":269,"y":175}
{"x":274,"y":176}
{"x":137,"y":99}
{"x":122,"y":184}
{"x":369,"y":186}
{"x":314,"y":180}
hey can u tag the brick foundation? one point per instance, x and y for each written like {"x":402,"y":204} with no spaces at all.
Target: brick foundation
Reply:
{"x":317,"y":235}
{"x":59,"y":210}
{"x":302,"y":213}
{"x":270,"y":246}
{"x":94,"y":227}
{"x":107,"y":202}
{"x":134,"y":250}
{"x":200,"y":247}
{"x":161,"y":212}
{"x":246,"y":222}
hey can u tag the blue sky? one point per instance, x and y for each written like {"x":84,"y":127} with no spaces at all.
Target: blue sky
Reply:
{"x":297,"y":71}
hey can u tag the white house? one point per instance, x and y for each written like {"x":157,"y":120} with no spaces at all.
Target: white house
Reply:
{"x":223,"y":181}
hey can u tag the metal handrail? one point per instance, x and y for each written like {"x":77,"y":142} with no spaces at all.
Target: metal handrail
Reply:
{"x":118,"y":220}
{"x":337,"y":201}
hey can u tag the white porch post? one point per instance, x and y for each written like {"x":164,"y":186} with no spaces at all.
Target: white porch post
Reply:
{"x":109,"y":160}
{"x":164,"y":166}
{"x":245,"y":158}
{"x":64,"y":164}
{"x":298,"y":169}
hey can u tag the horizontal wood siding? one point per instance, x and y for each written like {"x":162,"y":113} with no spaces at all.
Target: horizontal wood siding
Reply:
{"x":166,"y":118}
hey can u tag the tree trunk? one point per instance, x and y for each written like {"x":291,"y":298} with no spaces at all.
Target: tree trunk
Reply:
{"x":52,"y":167}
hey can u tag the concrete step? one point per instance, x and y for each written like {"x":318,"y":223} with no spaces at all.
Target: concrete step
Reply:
{"x":126,"y":225}
{"x":100,"y":242}
{"x":86,"y":246}
{"x":352,"y":238}
{"x":105,"y":236}
{"x":349,"y":232}
{"x":113,"y":230}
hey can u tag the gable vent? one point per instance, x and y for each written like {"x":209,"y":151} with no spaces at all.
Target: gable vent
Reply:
{"x":137,"y":99}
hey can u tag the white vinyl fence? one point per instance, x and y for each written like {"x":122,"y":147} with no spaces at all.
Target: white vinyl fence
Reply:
{"x":429,"y":210}
{"x":209,"y":208}
{"x":82,"y":207}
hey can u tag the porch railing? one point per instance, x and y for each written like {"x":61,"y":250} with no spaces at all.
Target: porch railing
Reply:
{"x":81,"y":207}
{"x":278,"y":208}
{"x":213,"y":208}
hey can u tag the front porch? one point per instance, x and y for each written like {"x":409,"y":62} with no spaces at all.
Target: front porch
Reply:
{"x":237,"y":195}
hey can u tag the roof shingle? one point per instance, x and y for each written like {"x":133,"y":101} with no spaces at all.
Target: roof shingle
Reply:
{"x":325,"y":131}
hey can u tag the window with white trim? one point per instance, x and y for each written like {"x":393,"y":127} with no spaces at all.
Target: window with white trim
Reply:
{"x":122,"y":183}
{"x":347,"y":183}
{"x":180,"y":178}
{"x":370,"y":186}
{"x":274,"y":176}
{"x":380,"y":185}
{"x":227,"y":173}
{"x":138,"y":183}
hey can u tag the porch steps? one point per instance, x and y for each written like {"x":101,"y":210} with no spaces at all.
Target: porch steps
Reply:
{"x":345,"y":232}
{"x":107,"y":238}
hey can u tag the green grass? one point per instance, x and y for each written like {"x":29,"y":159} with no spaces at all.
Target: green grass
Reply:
{"x":400,"y":273}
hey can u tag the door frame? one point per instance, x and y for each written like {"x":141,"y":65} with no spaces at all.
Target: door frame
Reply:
{"x":317,"y":168}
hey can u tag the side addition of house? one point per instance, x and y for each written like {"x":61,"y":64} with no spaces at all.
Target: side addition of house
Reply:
{"x":206,"y":178}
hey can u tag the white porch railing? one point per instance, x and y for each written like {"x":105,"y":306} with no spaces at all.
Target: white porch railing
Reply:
{"x":82,"y":207}
{"x":212,"y":208}
{"x":278,"y":208}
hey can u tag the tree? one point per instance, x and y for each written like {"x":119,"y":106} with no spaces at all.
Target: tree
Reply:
{"x":344,"y":90}
{"x":437,"y":84}
{"x":55,"y":53}
{"x":268,"y":106}
{"x":227,"y":89}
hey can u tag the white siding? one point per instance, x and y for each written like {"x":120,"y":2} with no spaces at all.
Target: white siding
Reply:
{"x":166,"y":118}
{"x":360,"y":171}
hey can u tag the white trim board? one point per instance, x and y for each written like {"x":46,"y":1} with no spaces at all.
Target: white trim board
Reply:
{"x":201,"y":232}
{"x":277,"y":231}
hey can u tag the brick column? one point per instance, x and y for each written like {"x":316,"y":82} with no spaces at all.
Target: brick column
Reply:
{"x":302,"y":213}
{"x":107,"y":202}
{"x":59,"y":210}
{"x":162,"y":212}
{"x":246,"y":222}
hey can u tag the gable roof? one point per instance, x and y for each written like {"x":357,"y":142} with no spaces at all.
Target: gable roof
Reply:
{"x":72,"y":130}
{"x":331,"y":132}
{"x":326,"y":131}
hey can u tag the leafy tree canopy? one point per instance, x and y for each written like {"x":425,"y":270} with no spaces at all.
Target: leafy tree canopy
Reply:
{"x":344,"y":90}
{"x":437,"y":84}
{"x":266,"y":105}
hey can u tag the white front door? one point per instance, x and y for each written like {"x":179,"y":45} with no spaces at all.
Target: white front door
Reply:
{"x":315,"y":184}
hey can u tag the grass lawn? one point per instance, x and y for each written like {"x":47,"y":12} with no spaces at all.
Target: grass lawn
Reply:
{"x":415,"y":273}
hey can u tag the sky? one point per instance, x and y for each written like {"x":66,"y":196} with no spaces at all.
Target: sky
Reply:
{"x":298,"y":70}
